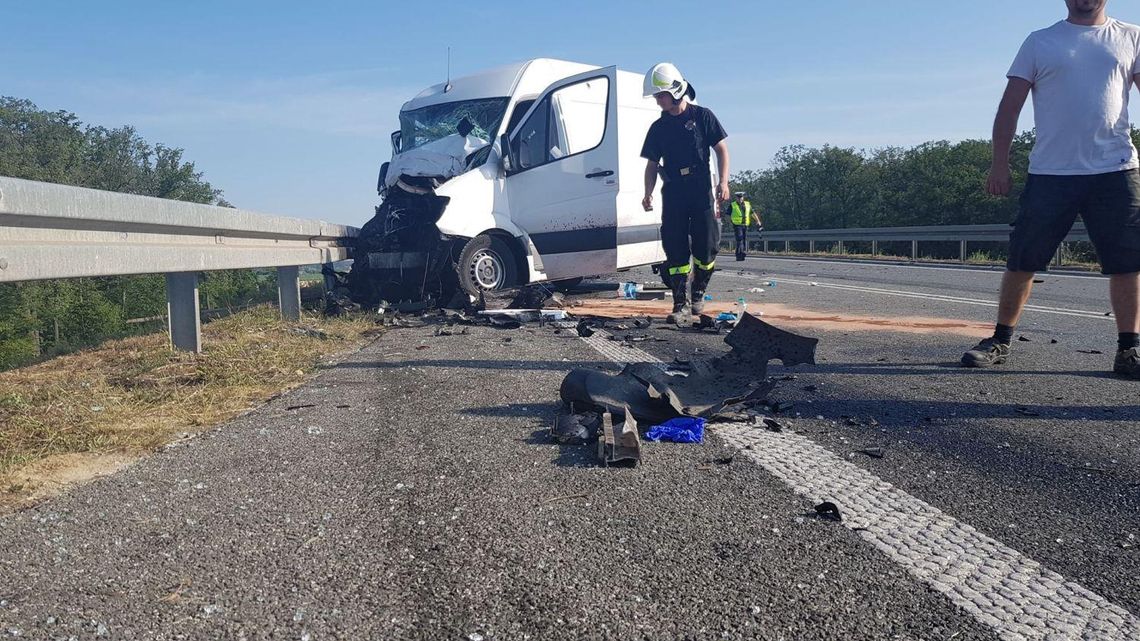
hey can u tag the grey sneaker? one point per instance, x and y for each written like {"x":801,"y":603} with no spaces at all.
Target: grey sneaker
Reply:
{"x":986,"y":353}
{"x":1127,"y":363}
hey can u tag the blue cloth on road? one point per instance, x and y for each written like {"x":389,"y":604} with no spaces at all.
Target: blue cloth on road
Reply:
{"x":679,"y":430}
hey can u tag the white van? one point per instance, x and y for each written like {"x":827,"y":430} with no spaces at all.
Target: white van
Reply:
{"x":517,"y":175}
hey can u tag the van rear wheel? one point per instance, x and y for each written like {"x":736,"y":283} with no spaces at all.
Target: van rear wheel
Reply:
{"x":486,"y":264}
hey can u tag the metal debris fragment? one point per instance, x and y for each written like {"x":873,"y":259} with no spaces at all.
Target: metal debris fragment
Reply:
{"x":620,"y":441}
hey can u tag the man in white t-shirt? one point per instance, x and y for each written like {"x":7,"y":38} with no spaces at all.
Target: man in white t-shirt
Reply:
{"x":1080,"y":71}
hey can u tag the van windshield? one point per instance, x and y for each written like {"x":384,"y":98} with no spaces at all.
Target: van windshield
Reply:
{"x":428,"y":124}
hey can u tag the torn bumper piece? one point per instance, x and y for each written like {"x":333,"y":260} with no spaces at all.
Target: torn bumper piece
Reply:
{"x":709,"y":386}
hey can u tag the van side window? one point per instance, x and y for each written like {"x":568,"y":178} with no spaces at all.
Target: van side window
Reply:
{"x":578,"y":117}
{"x":531,"y":139}
{"x":516,"y":115}
{"x":569,"y":121}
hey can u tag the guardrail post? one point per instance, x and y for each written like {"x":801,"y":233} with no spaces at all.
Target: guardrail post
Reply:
{"x":914,"y":250}
{"x":811,"y":246}
{"x":874,"y":248}
{"x":962,"y":251}
{"x":329,"y":277}
{"x":840,"y":247}
{"x":787,"y":246}
{"x":765,"y":247}
{"x":289,"y":292}
{"x":183,"y":312}
{"x":1058,"y":260}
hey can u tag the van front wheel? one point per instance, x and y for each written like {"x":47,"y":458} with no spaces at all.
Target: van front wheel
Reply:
{"x":486,"y":264}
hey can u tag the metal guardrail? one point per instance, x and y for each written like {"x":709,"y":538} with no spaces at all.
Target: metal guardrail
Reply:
{"x":55,"y":231}
{"x":963,"y":234}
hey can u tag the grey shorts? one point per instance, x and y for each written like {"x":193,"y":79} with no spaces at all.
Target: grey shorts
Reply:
{"x":1109,"y":204}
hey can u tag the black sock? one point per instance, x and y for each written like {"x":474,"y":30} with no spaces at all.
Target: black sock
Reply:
{"x":1003,"y":333}
{"x":1127,"y":340}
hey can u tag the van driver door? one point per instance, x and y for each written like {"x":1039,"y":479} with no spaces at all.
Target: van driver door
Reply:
{"x":562,"y":185}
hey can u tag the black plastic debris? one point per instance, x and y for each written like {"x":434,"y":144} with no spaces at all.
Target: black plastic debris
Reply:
{"x":712,"y":385}
{"x":770,"y":424}
{"x":642,"y":323}
{"x":502,"y":321}
{"x":584,"y":329}
{"x":828,"y":511}
{"x":873,"y":452}
{"x":1053,"y":341}
{"x":1023,"y":339}
{"x":576,"y":428}
{"x":614,"y":394}
{"x":1089,"y":351}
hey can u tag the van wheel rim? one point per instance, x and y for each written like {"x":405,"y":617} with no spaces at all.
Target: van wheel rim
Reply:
{"x":487,"y":270}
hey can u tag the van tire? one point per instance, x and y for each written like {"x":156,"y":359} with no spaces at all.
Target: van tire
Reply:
{"x":486,"y":263}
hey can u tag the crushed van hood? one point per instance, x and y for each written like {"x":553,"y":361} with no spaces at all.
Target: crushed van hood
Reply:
{"x":444,"y":158}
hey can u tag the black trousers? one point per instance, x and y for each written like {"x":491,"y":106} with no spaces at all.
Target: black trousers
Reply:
{"x":689,"y":227}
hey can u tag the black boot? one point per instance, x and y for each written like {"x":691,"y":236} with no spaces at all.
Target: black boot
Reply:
{"x":681,"y":315}
{"x":700,"y":284}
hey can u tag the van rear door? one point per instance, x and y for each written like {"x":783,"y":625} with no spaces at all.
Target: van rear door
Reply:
{"x":563,"y":185}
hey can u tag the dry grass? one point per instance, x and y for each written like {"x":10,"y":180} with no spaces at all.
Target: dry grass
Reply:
{"x":133,"y":395}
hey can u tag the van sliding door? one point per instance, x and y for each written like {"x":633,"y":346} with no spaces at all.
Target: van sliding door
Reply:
{"x":563,"y":188}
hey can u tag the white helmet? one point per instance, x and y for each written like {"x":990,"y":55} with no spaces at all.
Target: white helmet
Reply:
{"x":665,"y":77}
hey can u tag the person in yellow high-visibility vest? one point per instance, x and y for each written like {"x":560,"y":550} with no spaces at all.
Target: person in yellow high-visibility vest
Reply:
{"x":742,"y":215}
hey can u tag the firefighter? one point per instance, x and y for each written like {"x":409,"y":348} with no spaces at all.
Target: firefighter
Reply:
{"x":677,"y":147}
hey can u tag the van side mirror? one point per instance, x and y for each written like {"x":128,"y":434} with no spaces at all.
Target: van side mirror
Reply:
{"x":382,"y":178}
{"x":396,"y":141}
{"x":505,"y":151}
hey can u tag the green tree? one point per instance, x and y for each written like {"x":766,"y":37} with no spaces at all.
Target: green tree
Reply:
{"x":40,"y":318}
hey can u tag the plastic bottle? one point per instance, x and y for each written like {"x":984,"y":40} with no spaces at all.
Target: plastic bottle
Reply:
{"x":740,"y":307}
{"x":630,"y":289}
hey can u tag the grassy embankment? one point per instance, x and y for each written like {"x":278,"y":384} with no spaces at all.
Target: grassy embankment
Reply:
{"x":130,"y":396}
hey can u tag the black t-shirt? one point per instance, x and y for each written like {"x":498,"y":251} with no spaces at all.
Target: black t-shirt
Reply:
{"x":684,"y":140}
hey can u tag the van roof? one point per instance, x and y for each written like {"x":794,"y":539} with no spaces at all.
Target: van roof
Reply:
{"x":530,"y":76}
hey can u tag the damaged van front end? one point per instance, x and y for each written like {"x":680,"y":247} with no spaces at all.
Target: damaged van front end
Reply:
{"x":402,"y":255}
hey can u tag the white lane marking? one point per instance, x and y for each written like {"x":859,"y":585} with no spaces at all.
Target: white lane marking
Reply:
{"x":977,"y":270}
{"x":940,"y":297}
{"x":997,"y":585}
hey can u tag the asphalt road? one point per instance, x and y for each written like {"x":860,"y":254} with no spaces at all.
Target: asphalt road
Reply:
{"x":420,"y":497}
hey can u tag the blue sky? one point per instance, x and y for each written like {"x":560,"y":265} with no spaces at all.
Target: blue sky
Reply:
{"x":287,"y":106}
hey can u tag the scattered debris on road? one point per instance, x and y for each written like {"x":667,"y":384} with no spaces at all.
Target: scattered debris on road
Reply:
{"x":828,"y":511}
